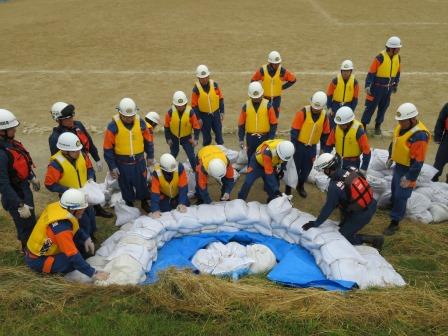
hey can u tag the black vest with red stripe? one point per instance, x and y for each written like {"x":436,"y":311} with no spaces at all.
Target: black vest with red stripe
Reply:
{"x":358,"y":191}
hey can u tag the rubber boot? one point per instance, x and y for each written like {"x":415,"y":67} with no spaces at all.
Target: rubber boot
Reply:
{"x":129,"y":204}
{"x":288,"y":190}
{"x":101,"y":212}
{"x":145,"y":206}
{"x":301,"y":190}
{"x":375,"y":241}
{"x":378,"y":129}
{"x":392,"y":228}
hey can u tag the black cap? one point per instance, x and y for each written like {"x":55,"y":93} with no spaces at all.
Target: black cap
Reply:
{"x":67,"y":112}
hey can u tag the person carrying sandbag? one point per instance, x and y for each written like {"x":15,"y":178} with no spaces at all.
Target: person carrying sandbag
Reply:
{"x":350,"y":191}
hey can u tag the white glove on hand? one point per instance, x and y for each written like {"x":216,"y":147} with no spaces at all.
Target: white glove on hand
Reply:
{"x":115,"y":173}
{"x":169,"y":142}
{"x":225,"y":197}
{"x":24,"y":211}
{"x":389,"y":163}
{"x":89,"y":246}
{"x":195,"y":142}
{"x":99,"y":166}
{"x":242,"y":144}
{"x":368,"y":91}
{"x":100,"y":276}
{"x":181,"y":208}
{"x":35,"y":183}
{"x":404,"y":182}
{"x":156,"y":214}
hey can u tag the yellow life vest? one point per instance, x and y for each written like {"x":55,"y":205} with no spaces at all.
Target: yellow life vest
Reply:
{"x":129,"y":141}
{"x":272,"y":86}
{"x":210,"y":152}
{"x":208,"y":102}
{"x":311,"y":131}
{"x":346,"y":143}
{"x":272,"y":144}
{"x":73,"y":176}
{"x":39,"y":243}
{"x":257,"y":121}
{"x":180,"y":126}
{"x":170,"y":189}
{"x":343,"y":92}
{"x":389,"y":67}
{"x":400,"y":149}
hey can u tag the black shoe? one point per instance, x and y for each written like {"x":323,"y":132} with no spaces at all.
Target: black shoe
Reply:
{"x":288,"y":190}
{"x":375,"y":241}
{"x":101,"y":212}
{"x":129,"y":204}
{"x":301,"y":190}
{"x":378,"y":129}
{"x":392,"y":228}
{"x":145,"y":206}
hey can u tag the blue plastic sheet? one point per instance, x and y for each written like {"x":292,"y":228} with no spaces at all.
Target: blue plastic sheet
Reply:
{"x":295,"y":265}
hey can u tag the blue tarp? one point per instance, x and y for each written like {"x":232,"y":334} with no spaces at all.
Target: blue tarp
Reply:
{"x":295,"y":265}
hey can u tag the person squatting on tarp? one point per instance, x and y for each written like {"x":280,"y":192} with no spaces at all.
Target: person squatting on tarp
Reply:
{"x":441,"y":137}
{"x":310,"y":125}
{"x":408,"y":150}
{"x":213,"y":161}
{"x":274,"y":79}
{"x":343,"y":90}
{"x":257,"y":121}
{"x":63,"y":114}
{"x":16,"y":174}
{"x":350,"y":141}
{"x":182,"y":127}
{"x":169,"y":186}
{"x":268,"y":162}
{"x":207,"y":102}
{"x":51,"y":247}
{"x":350,"y":191}
{"x":126,"y":141}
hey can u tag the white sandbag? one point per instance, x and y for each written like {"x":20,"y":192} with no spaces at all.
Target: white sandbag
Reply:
{"x":93,"y":192}
{"x":264,"y":259}
{"x":290,"y":178}
{"x":205,"y":261}
{"x":325,"y":268}
{"x":253,"y":213}
{"x":123,"y":270}
{"x":97,"y":261}
{"x":168,"y":221}
{"x":236,"y":210}
{"x":114,"y":238}
{"x":230,"y":265}
{"x":242,"y":158}
{"x":77,"y":276}
{"x":439,"y":212}
{"x":378,"y":184}
{"x":278,"y":208}
{"x":211,"y":214}
{"x":426,"y":174}
{"x":340,"y":249}
{"x":191,"y":177}
{"x":375,"y":173}
{"x":378,"y":160}
{"x":384,"y":201}
{"x":347,"y":269}
{"x":264,"y":230}
{"x":417,"y":204}
{"x":424,"y":217}
{"x":265,"y":219}
{"x":231,"y":154}
{"x":296,"y":226}
{"x":322,"y":182}
{"x":115,"y":198}
{"x":227,"y":228}
{"x":207,"y":229}
{"x":317,"y":255}
{"x":136,"y":239}
{"x":290,"y":218}
{"x":125,"y":214}
{"x":139,"y":253}
{"x":111,"y":183}
{"x":312,"y":176}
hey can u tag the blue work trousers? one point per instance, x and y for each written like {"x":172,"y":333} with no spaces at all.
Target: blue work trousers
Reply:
{"x":211,"y":121}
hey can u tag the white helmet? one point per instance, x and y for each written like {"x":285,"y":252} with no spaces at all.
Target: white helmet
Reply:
{"x":274,"y":57}
{"x":153,"y":116}
{"x":127,"y":107}
{"x":393,"y":42}
{"x":344,"y":115}
{"x":69,"y":142}
{"x":406,"y":111}
{"x":285,"y":150}
{"x":202,"y":71}
{"x":7,"y":120}
{"x":73,"y":199}
{"x":217,"y":168}
{"x":168,"y":163}
{"x":179,"y":98}
{"x":347,"y":65}
{"x":319,"y":100}
{"x":324,"y":160}
{"x":255,"y":90}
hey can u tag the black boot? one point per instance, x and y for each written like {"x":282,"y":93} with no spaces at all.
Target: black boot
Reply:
{"x":288,"y":190}
{"x":392,"y":228}
{"x":129,"y":204}
{"x":101,"y":212}
{"x":373,"y":240}
{"x":301,"y":190}
{"x":145,"y":206}
{"x":378,"y":129}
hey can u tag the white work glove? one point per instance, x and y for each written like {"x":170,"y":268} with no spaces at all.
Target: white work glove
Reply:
{"x":100,"y":276}
{"x":156,"y":214}
{"x":194,"y":142}
{"x":225,"y":197}
{"x":404,"y":182}
{"x":115,"y":173}
{"x":363,"y":171}
{"x":389,"y":163}
{"x":150,"y":162}
{"x":182,"y":208}
{"x":25,"y":211}
{"x":368,"y":91}
{"x":35,"y":183}
{"x":99,"y":166}
{"x":242,"y":144}
{"x":89,"y":246}
{"x":221,"y":115}
{"x":169,"y":142}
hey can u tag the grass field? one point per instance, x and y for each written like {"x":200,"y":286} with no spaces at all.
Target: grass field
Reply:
{"x":93,"y":53}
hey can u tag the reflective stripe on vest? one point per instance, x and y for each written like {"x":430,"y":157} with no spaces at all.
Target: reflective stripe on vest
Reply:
{"x":180,"y":126}
{"x":389,"y":67}
{"x":272,"y":86}
{"x":39,"y":243}
{"x":170,"y":189}
{"x":272,"y":145}
{"x":208,"y":102}
{"x":346,"y":143}
{"x":128,"y":141}
{"x":210,"y":152}
{"x":400,"y":149}
{"x":311,"y":131}
{"x":344,"y":91}
{"x":73,"y":176}
{"x":257,"y":121}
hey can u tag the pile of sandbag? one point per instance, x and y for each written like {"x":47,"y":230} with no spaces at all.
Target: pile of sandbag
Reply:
{"x":138,"y":240}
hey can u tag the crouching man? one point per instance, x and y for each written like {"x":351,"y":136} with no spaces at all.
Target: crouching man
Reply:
{"x":350,"y":191}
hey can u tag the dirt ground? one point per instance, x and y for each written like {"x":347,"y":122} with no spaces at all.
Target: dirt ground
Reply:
{"x":93,"y":53}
